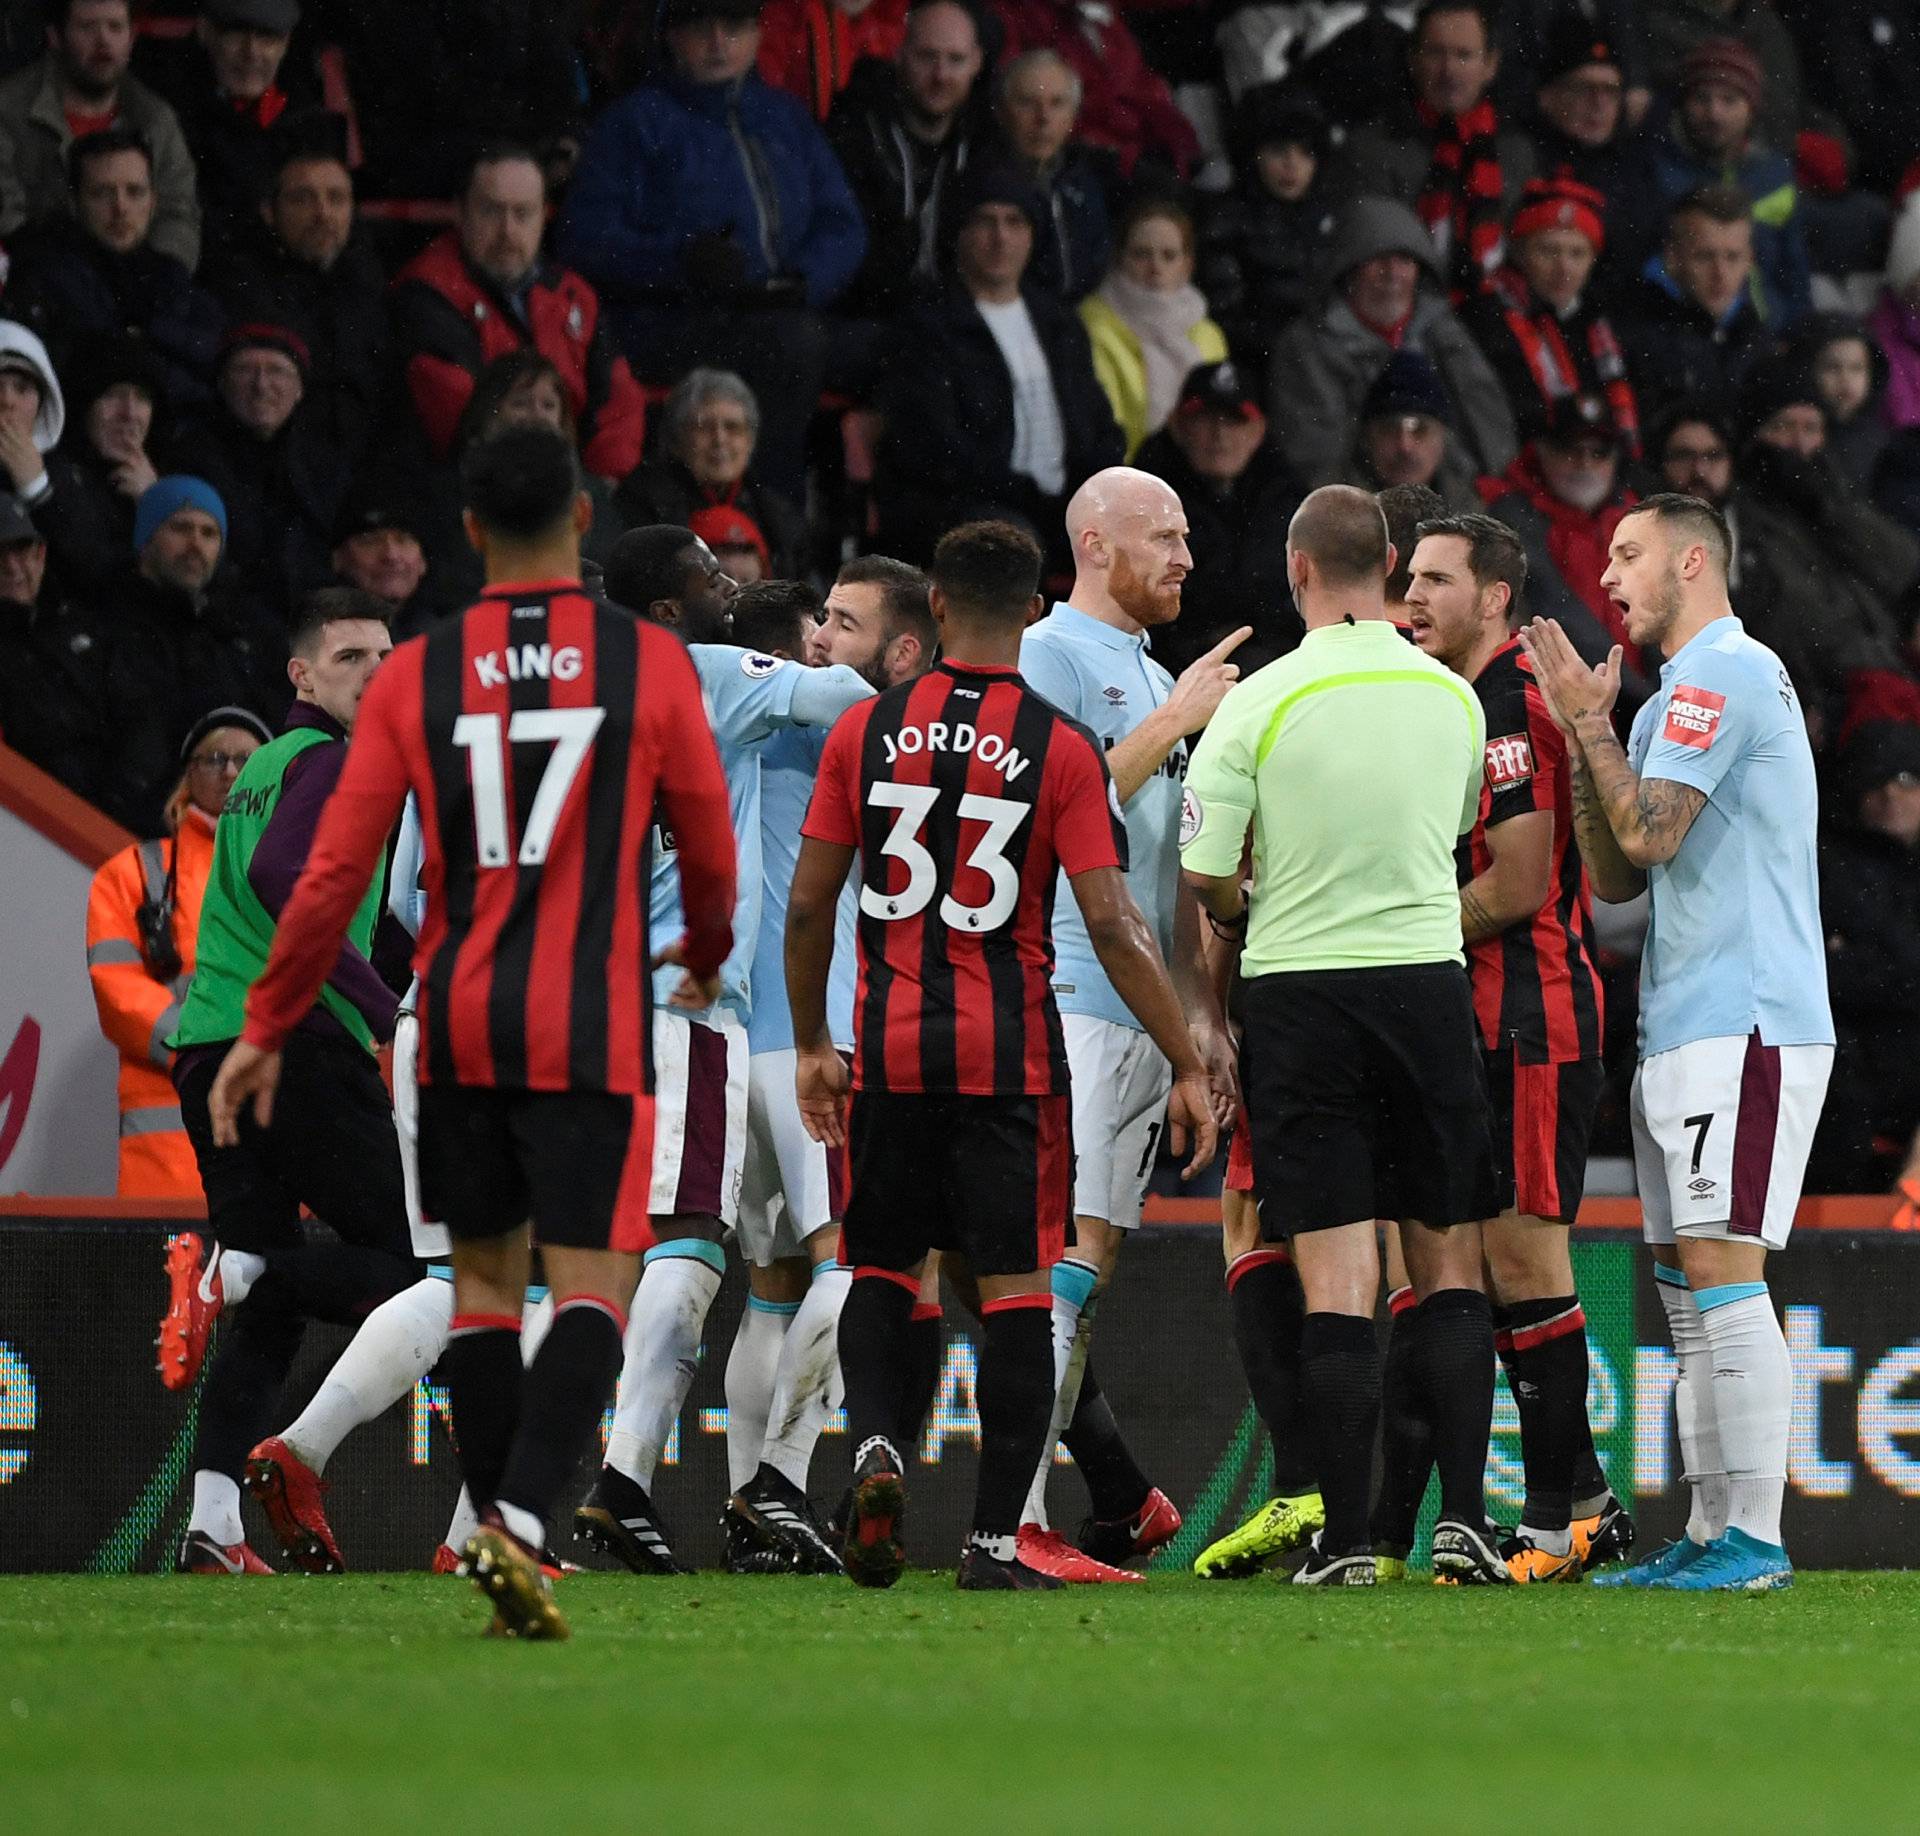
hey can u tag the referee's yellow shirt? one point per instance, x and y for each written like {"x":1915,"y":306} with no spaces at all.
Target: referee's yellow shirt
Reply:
{"x":1357,"y":760}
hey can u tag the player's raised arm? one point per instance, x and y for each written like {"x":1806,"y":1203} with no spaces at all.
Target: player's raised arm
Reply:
{"x":1198,"y":691}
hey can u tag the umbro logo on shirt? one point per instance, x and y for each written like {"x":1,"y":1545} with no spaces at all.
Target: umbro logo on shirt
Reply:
{"x":1117,"y":696}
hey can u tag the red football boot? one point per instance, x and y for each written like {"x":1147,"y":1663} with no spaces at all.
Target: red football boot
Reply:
{"x":289,"y":1491}
{"x":1156,"y":1522}
{"x":1051,"y":1553}
{"x":201,"y":1555}
{"x":194,"y":1300}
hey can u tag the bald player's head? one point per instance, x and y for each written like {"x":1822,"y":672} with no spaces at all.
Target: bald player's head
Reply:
{"x":1129,"y":537}
{"x":1337,"y":543}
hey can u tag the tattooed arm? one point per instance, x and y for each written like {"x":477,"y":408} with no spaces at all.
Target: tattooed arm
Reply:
{"x":1517,"y":880}
{"x":1647,"y":818}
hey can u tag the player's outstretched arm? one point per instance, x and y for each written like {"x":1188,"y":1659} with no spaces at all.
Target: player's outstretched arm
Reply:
{"x":1124,"y":944}
{"x":1517,"y":880}
{"x":1202,"y":686}
{"x":820,"y":1074}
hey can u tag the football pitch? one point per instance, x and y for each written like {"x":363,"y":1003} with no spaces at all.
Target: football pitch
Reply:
{"x":370,"y":1703}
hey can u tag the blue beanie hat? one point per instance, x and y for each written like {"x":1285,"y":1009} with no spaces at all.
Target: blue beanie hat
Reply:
{"x":178,"y":491}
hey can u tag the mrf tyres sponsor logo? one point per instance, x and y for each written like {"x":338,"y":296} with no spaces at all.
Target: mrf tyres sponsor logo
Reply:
{"x":1509,"y":761}
{"x":1693,"y":717}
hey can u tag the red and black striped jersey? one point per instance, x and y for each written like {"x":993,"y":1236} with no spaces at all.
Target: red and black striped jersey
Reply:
{"x":966,"y":795}
{"x":537,"y":731}
{"x":1535,"y":984}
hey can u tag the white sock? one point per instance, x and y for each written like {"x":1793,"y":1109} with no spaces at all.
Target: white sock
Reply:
{"x":522,"y":1522}
{"x":535,"y":1318}
{"x":751,"y":1367}
{"x":806,"y":1387}
{"x":398,"y":1343}
{"x":239,"y":1270}
{"x":216,"y":1509}
{"x":1752,"y":1402}
{"x":677,"y":1287}
{"x":1700,"y":1455}
{"x":1073,"y":1302}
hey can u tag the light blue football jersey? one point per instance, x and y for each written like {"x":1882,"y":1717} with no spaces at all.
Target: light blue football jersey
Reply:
{"x":1735,"y":941}
{"x":1107,"y":681}
{"x":788,"y":767}
{"x":749,"y":699}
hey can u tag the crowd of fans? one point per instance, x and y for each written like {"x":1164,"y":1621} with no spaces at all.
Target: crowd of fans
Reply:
{"x":824,"y":276}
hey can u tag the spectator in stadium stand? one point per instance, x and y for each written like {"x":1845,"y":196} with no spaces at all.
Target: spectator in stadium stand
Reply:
{"x":1446,"y":151}
{"x":736,"y":542}
{"x":1037,"y":98}
{"x":709,"y":433}
{"x":1858,"y":58}
{"x":305,"y":264}
{"x":1353,"y":58}
{"x":434,"y":79}
{"x":1239,"y":496}
{"x":1851,"y":376}
{"x":1000,"y":413}
{"x":1262,"y":243}
{"x":1896,"y":318}
{"x":1382,"y":296}
{"x":143,"y":920}
{"x":279,"y":477}
{"x":104,"y":463}
{"x":231,"y":88}
{"x":1536,"y":320}
{"x":717,"y":224}
{"x":175,"y":635}
{"x":1535,"y":33}
{"x":50,"y":663}
{"x":33,"y":413}
{"x":901,"y":131}
{"x":102,"y":269}
{"x":1125,"y":104}
{"x":1710,"y":140}
{"x":811,"y":48}
{"x":379,"y":546}
{"x":1147,"y":322}
{"x":483,"y":289}
{"x":1676,"y":28}
{"x":1822,"y":568}
{"x":1582,"y":131}
{"x":1406,"y":436}
{"x":1870,"y":907}
{"x":1563,"y":497}
{"x":80,"y":87}
{"x":1688,"y":325}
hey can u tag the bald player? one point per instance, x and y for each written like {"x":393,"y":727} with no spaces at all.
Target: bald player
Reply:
{"x":1090,"y":657}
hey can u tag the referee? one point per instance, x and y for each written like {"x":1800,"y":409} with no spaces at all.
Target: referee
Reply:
{"x":1357,"y":762}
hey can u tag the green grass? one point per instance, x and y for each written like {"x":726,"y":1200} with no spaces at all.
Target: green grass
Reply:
{"x":370,"y":1704}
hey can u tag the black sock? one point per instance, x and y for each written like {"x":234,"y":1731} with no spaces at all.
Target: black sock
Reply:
{"x":1546,"y":1359}
{"x":1340,"y":1362}
{"x":873,"y":1356}
{"x":482,"y":1367}
{"x":1268,"y":1306}
{"x":1015,"y":1394}
{"x":568,"y":1384}
{"x":1406,"y":1437}
{"x":1116,"y":1487}
{"x":926,"y":1352}
{"x":1452,"y":1367}
{"x":255,"y":1349}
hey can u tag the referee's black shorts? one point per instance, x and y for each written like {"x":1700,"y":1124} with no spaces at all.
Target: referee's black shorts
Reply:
{"x":1367,"y":1098}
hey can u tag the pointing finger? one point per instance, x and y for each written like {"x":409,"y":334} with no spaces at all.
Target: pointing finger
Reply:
{"x":1230,"y":643}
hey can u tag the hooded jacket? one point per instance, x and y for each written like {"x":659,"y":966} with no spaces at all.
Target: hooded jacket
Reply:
{"x":676,"y":160}
{"x":17,"y":340}
{"x":1324,"y":363}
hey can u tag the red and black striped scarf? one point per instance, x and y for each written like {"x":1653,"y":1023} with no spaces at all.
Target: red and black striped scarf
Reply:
{"x":1460,"y":201}
{"x":1570,"y":356}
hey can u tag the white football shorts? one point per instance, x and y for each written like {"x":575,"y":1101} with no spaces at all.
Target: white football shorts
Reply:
{"x":699,"y":1114}
{"x":1120,"y":1087}
{"x":791,"y":1186}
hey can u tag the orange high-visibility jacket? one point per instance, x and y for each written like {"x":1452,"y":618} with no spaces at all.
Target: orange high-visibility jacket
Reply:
{"x":138,"y":1011}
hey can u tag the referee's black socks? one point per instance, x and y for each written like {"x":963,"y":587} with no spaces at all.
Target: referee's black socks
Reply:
{"x":1450,"y":1361}
{"x":1015,"y":1394}
{"x":1340,"y":1366}
{"x":1269,"y":1310}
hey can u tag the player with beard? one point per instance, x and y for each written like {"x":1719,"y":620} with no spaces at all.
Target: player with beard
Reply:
{"x":667,"y":575}
{"x":1711,"y":808}
{"x":1526,"y":913}
{"x":1090,"y":657}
